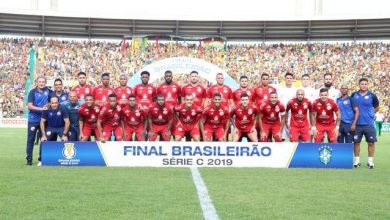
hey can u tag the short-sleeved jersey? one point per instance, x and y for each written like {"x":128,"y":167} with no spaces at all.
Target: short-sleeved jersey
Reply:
{"x":171,"y":93}
{"x":82,"y":91}
{"x":89,"y":115}
{"x":123,"y":94}
{"x":215,"y":117}
{"x":271,"y":113}
{"x":160,"y":115}
{"x":188,"y":116}
{"x":62,"y":98}
{"x":299,"y":112}
{"x":55,"y":118}
{"x":261,"y":94}
{"x":38,"y":99}
{"x":346,"y":106}
{"x":145,"y":95}
{"x":224,"y":90}
{"x":100,"y":94}
{"x":133,"y":116}
{"x":197,"y":91}
{"x":244,"y":118}
{"x":237,"y":95}
{"x":110,"y":117}
{"x":325,"y":111}
{"x":366,"y":105}
{"x":72,"y":109}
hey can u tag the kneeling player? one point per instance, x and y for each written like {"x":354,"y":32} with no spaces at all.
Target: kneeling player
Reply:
{"x":88,"y":115}
{"x":272,"y":118}
{"x":134,"y":120}
{"x":160,"y":120}
{"x":188,"y":116}
{"x":109,"y":120}
{"x":244,"y":118}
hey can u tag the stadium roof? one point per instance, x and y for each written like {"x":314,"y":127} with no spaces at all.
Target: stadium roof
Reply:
{"x":55,"y":26}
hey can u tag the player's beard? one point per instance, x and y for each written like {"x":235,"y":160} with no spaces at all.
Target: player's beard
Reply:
{"x":328,"y":85}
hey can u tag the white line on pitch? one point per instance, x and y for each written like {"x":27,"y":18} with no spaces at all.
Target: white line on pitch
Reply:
{"x":209,"y":212}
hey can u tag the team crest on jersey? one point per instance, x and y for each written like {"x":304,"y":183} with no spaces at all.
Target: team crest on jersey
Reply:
{"x":174,"y":89}
{"x":63,"y":98}
{"x":250,"y":111}
{"x":128,"y":91}
{"x":366,"y":97}
{"x":345,"y":102}
{"x":116,"y":116}
{"x":305,"y":105}
{"x":165,"y":111}
{"x":199,"y":89}
{"x":221,"y":113}
{"x":325,"y":154}
{"x":87,"y":90}
{"x":193,"y":113}
{"x":277,"y":109}
{"x":58,"y":113}
{"x":46,"y":93}
{"x":329,"y":107}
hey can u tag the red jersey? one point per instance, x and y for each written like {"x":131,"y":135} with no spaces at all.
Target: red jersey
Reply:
{"x":100,"y":94}
{"x":237,"y":95}
{"x":123,"y":94}
{"x":133,"y":116}
{"x":299,"y":112}
{"x":244,"y":117}
{"x":82,"y":91}
{"x":325,"y":111}
{"x":271,"y":112}
{"x":198,"y":91}
{"x":261,"y":94}
{"x":89,"y":115}
{"x":189,"y":116}
{"x":224,"y":90}
{"x":215,"y":117}
{"x":160,"y":115}
{"x":171,"y":92}
{"x":145,"y":94}
{"x":110,"y":117}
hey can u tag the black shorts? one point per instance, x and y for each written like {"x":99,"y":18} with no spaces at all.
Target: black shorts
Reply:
{"x":368,"y":131}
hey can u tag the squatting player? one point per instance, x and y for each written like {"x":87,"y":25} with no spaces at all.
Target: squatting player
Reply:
{"x":243,"y":117}
{"x":160,"y":120}
{"x":272,"y":118}
{"x":109,"y":120}
{"x":88,"y":115}
{"x":134,"y":120}
{"x":188,"y":116}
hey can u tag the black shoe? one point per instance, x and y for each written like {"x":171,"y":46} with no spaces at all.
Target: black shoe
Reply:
{"x":370,"y":166}
{"x":29,"y":163}
{"x":357,"y":165}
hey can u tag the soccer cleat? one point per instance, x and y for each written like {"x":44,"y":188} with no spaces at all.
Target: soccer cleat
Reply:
{"x":356,"y":165}
{"x":370,"y":165}
{"x":39,"y":164}
{"x":29,"y":163}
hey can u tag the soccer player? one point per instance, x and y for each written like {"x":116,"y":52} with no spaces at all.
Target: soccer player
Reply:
{"x":101,"y":92}
{"x":299,"y":123}
{"x":243,"y":89}
{"x":333,"y":93}
{"x":243,"y":117}
{"x":160,"y":120}
{"x":109,"y":120}
{"x":82,"y":89}
{"x":212,"y":125}
{"x":349,"y":116}
{"x":134,"y":120}
{"x":195,"y":89}
{"x":271,"y":118}
{"x":261,"y":93}
{"x":379,"y":119}
{"x":188,"y":117}
{"x":287,"y":93}
{"x":88,"y":115}
{"x":37,"y":101}
{"x":170,"y":90}
{"x":323,"y":111}
{"x":72,"y":108}
{"x":368,"y":104}
{"x":123,"y":91}
{"x":310,"y":92}
{"x":221,"y":88}
{"x":59,"y":91}
{"x":145,"y":93}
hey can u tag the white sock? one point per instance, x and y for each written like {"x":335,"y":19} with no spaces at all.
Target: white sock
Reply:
{"x":370,"y":160}
{"x":357,"y":160}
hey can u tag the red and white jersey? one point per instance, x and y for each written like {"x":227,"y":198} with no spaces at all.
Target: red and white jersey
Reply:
{"x":244,"y":118}
{"x":197,"y":91}
{"x":271,"y":112}
{"x":325,"y":111}
{"x":171,"y":92}
{"x":237,"y":95}
{"x":261,"y":94}
{"x":216,"y":117}
{"x":123,"y":94}
{"x":188,"y":116}
{"x":101,"y":93}
{"x":110,"y":117}
{"x":299,"y":112}
{"x":82,"y":91}
{"x":133,"y":116}
{"x":160,"y":115}
{"x":145,"y":94}
{"x":89,"y":115}
{"x":224,"y":90}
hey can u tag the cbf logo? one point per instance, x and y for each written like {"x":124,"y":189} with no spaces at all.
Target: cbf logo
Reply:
{"x":325,"y":154}
{"x":69,"y":151}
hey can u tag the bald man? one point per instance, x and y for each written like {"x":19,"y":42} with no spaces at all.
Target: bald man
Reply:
{"x":72,"y":107}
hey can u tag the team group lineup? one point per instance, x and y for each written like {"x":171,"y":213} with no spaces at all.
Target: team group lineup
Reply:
{"x":265,"y":113}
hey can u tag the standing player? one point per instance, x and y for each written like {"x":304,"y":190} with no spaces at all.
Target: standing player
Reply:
{"x":212,"y":126}
{"x":310,"y":92}
{"x":349,"y":116}
{"x":101,"y":93}
{"x":59,"y":91}
{"x":170,"y":90}
{"x":243,"y":90}
{"x":368,"y":104}
{"x":221,"y":88}
{"x":88,"y":115}
{"x":134,"y":120}
{"x":123,"y":91}
{"x":272,"y":118}
{"x":145,"y":93}
{"x":333,"y":93}
{"x":299,"y":122}
{"x":160,"y":120}
{"x":261,"y":93}
{"x":287,"y":93}
{"x":82,"y":89}
{"x":109,"y":120}
{"x":243,"y":117}
{"x":195,"y":89}
{"x":188,"y":116}
{"x":54,"y":122}
{"x":323,"y":110}
{"x":72,"y":107}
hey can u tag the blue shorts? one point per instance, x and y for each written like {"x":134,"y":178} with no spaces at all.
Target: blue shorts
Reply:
{"x":368,"y":131}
